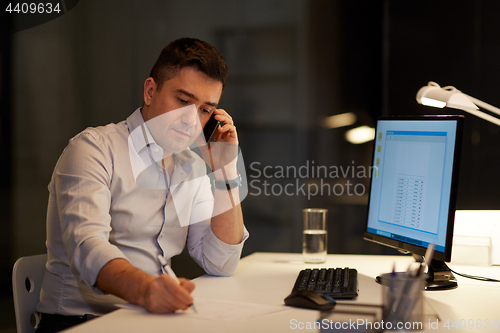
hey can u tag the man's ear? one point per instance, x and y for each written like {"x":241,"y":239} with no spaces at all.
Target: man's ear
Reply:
{"x":149,"y":90}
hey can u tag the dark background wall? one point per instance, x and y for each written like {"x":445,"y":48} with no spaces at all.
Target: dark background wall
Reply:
{"x":291,"y":63}
{"x":452,"y":43}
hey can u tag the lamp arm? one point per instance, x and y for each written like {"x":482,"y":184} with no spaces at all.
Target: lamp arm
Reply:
{"x":484,"y":105}
{"x":484,"y":116}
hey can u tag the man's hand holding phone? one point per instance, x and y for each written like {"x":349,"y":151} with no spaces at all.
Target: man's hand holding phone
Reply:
{"x":223,"y":152}
{"x":221,"y":127}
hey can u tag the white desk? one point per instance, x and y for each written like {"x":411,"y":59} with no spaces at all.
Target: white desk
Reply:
{"x":267,"y":278}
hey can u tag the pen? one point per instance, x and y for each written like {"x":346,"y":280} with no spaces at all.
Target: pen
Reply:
{"x":390,"y":297}
{"x":168,"y":270}
{"x":429,"y":254}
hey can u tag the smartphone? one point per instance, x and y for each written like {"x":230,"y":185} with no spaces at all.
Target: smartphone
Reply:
{"x":210,"y":128}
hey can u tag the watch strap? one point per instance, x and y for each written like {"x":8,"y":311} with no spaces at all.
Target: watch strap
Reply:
{"x":228,"y":184}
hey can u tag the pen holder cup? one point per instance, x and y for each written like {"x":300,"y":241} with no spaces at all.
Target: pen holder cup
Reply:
{"x":403,"y":299}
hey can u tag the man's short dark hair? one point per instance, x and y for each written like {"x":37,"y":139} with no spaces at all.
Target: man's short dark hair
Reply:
{"x":189,"y":52}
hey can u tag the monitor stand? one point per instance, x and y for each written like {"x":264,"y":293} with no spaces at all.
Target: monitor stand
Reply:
{"x":440,"y":277}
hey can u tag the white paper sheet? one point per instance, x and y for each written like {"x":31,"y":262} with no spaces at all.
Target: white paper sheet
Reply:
{"x":220,"y":310}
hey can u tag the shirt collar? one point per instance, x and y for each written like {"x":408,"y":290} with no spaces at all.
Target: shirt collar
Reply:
{"x":138,"y":131}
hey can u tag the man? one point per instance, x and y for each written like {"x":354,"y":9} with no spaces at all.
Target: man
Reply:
{"x":124,"y":193}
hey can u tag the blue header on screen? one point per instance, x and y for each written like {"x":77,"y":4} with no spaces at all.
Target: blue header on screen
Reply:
{"x":416,"y":133}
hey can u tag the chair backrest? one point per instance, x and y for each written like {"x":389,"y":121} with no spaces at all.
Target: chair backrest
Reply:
{"x":27,"y":277}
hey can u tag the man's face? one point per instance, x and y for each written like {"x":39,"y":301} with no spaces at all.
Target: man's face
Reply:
{"x":177,"y":113}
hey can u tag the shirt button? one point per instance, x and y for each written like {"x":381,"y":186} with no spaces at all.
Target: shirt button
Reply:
{"x":156,"y":150}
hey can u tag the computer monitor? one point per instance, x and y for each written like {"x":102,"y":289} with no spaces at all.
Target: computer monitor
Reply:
{"x":413,"y":188}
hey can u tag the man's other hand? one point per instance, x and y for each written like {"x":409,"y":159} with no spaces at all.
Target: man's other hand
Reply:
{"x":164,"y":295}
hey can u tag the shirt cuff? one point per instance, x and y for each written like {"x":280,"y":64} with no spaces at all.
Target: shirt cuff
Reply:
{"x":222,"y":255}
{"x":95,"y":255}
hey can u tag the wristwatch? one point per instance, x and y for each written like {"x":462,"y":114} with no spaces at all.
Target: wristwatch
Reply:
{"x":228,"y":184}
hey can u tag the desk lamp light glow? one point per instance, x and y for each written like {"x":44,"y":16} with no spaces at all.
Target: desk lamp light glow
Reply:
{"x":434,"y":95}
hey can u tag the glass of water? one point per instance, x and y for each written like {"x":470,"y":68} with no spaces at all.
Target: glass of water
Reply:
{"x":314,"y":236}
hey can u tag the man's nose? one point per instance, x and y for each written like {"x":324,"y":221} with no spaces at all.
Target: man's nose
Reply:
{"x":190,"y":116}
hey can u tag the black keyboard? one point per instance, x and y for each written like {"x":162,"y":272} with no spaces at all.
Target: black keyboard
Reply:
{"x":338,"y":283}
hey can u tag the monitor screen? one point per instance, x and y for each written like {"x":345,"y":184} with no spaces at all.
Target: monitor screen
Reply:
{"x":413,"y":183}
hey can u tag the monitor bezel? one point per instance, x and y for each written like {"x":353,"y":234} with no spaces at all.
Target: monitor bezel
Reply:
{"x":407,"y":247}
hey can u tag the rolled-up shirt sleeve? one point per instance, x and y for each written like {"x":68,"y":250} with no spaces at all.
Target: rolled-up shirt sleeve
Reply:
{"x":81,"y":183}
{"x":215,"y":256}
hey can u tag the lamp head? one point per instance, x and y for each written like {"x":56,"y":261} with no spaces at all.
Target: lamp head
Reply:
{"x":434,"y":95}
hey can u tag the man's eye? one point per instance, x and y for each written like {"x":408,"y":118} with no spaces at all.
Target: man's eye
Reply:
{"x":183,"y":101}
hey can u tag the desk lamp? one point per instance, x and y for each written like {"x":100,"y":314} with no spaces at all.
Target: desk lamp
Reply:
{"x":433,"y":95}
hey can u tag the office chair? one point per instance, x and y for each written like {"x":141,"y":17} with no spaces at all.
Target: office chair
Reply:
{"x":27,"y":277}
